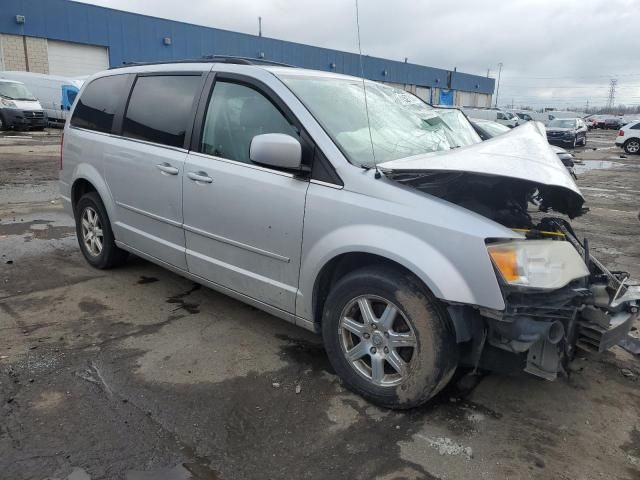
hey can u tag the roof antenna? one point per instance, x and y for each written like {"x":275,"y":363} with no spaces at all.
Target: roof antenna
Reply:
{"x":364,"y":88}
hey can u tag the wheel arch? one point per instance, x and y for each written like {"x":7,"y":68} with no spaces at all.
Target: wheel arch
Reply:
{"x":86,"y":178}
{"x":341,"y":265}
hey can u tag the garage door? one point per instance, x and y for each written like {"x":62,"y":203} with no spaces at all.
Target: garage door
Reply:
{"x":75,"y":60}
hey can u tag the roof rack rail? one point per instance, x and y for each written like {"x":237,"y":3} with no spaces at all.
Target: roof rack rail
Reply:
{"x":245,"y":60}
{"x":210,"y":59}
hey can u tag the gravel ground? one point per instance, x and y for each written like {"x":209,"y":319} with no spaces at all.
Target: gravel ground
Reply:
{"x":137,"y":373}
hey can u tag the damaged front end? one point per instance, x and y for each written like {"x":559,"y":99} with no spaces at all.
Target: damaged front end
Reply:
{"x":557,"y":296}
{"x":593,"y":312}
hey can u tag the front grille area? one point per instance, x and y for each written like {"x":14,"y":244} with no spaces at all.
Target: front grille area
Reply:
{"x":33,"y":114}
{"x":560,"y":304}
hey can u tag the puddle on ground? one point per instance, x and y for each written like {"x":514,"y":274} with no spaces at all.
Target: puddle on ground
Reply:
{"x":183,"y":471}
{"x":588,"y":165}
{"x":144,"y":280}
{"x":41,"y":229}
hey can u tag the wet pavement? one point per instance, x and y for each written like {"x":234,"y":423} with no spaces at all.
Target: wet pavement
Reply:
{"x":137,"y":373}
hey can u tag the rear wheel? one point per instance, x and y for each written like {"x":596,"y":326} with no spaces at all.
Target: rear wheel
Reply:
{"x":94,"y":233}
{"x":632,"y":146}
{"x":388,"y":338}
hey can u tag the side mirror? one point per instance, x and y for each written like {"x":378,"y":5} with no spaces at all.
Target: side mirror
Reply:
{"x":276,"y":150}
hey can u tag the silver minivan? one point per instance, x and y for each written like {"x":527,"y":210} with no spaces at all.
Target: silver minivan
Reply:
{"x":411,"y":245}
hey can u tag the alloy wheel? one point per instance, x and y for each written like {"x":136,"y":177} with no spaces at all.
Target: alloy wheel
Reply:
{"x":92,"y":235}
{"x":377,"y":340}
{"x":633,"y":146}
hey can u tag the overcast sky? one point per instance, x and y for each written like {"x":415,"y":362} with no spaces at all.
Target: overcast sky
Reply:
{"x":555,"y":53}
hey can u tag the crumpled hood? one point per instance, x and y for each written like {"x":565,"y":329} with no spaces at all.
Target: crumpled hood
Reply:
{"x":523,"y":153}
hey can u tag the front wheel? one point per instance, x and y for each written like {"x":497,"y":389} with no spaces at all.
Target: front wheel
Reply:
{"x":632,"y":146}
{"x":94,"y":233}
{"x":388,"y":338}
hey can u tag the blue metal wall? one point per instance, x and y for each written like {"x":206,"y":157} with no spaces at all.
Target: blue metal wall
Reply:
{"x":139,"y":38}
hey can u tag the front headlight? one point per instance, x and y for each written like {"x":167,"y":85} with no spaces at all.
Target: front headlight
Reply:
{"x":8,"y":103}
{"x":547,"y":264}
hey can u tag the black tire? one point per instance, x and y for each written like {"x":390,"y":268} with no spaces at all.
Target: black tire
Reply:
{"x":632,"y":146}
{"x":110,"y":255}
{"x":430,"y":364}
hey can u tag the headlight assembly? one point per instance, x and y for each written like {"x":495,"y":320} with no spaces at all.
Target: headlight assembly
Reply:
{"x":542,"y":264}
{"x":8,"y":103}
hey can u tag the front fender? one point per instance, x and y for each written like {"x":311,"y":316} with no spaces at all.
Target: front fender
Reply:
{"x":441,"y":272}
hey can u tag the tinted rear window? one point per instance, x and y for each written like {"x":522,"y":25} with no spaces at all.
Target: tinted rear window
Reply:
{"x":160,"y":108}
{"x":97,"y":106}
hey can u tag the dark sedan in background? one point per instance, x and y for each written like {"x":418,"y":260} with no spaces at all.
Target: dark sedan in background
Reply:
{"x":613,"y":123}
{"x":568,"y":132}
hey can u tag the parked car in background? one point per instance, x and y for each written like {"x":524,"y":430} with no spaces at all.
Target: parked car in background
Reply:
{"x":19,"y":108}
{"x":503,"y":117}
{"x":400,"y":236}
{"x":55,"y":94}
{"x":567,"y":131}
{"x":613,"y":123}
{"x":590,"y":123}
{"x":629,"y":138}
{"x":596,"y":120}
{"x":523,"y":115}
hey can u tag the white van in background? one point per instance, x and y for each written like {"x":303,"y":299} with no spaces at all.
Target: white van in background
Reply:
{"x":494,"y":114}
{"x":56,"y":94}
{"x":19,"y":108}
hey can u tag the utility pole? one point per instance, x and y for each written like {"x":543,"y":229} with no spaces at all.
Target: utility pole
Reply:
{"x":259,"y":26}
{"x":586,"y":107}
{"x":612,"y":93}
{"x":498,"y":88}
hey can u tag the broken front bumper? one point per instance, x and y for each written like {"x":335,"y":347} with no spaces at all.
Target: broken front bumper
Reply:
{"x":602,"y":327}
{"x":594,"y":313}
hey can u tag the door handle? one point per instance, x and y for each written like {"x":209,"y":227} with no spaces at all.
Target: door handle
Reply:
{"x":200,"y":177}
{"x":167,"y":169}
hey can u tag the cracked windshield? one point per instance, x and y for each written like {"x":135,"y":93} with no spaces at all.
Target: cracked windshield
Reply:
{"x":402,"y":125}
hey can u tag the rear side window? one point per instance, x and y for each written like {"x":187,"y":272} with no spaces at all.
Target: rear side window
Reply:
{"x":97,"y":106}
{"x":636,"y":126}
{"x":160,"y":108}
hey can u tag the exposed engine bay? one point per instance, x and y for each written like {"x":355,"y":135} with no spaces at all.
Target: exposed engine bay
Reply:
{"x":541,"y":328}
{"x":504,"y":200}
